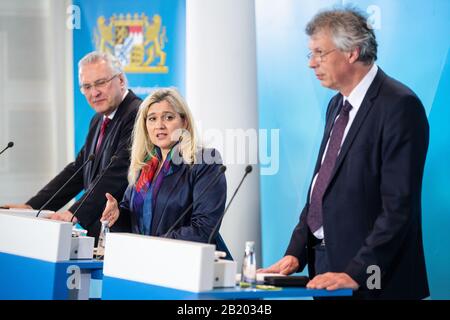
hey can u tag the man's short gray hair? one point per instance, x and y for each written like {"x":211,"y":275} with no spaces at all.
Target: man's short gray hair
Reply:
{"x":349,"y":28}
{"x":95,"y":57}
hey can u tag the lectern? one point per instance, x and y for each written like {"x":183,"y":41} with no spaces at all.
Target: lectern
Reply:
{"x":143,"y":267}
{"x":35,"y":258}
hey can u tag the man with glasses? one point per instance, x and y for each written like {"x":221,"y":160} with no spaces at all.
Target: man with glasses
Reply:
{"x":361,"y":225}
{"x":104,"y":85}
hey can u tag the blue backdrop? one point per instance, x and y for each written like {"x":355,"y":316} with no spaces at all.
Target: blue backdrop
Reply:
{"x":129,"y":24}
{"x":413,"y":37}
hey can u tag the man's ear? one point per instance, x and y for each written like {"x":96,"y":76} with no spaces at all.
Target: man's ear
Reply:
{"x":354,"y":55}
{"x":122,"y":80}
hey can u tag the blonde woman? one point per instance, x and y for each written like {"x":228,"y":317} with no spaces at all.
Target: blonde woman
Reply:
{"x":169,"y":173}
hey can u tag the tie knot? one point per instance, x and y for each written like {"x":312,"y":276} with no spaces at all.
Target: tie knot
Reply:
{"x":106,"y":121}
{"x":347,"y":107}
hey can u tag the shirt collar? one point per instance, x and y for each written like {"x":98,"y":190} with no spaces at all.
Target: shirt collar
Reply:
{"x":112,"y":114}
{"x":357,"y":95}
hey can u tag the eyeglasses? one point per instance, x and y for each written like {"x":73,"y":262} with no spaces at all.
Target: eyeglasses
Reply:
{"x":99,"y":84}
{"x":318,"y":55}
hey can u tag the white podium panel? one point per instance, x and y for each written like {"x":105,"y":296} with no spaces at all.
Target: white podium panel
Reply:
{"x":224,"y":273}
{"x":28,"y":212}
{"x":22,"y":234}
{"x":177,"y":264}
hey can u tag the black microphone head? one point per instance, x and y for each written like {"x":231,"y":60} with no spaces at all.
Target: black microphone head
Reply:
{"x":222,"y":169}
{"x":91,"y":157}
{"x":10,"y":144}
{"x":248,"y":168}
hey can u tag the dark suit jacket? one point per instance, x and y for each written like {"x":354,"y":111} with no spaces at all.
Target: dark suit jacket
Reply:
{"x":184,"y":186}
{"x":116,"y":142}
{"x":372,"y":206}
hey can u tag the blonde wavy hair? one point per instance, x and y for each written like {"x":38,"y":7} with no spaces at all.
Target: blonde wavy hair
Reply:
{"x":141,"y":144}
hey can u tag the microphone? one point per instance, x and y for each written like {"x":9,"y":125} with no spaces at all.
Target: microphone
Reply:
{"x":113,"y":158}
{"x":10,"y":145}
{"x":89,"y":159}
{"x":248,"y":169}
{"x":221,"y":170}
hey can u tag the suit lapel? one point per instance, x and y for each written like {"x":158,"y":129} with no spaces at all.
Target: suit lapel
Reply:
{"x":98,"y":155}
{"x":91,"y":147}
{"x":366,"y":105}
{"x":334,"y":112}
{"x":335,"y":108}
{"x":111,"y":128}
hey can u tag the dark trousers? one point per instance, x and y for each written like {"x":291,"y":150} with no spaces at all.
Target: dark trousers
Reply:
{"x":321,"y":263}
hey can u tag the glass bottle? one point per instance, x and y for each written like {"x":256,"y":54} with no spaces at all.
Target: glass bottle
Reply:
{"x":248,"y":272}
{"x":102,"y":239}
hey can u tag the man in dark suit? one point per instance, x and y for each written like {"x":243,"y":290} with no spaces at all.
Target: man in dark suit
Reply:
{"x":104,"y":85}
{"x":361,"y":226}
